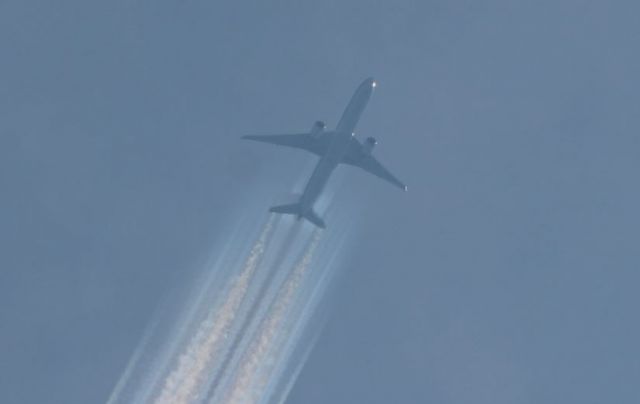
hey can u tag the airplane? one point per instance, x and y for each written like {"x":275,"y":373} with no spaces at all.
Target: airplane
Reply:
{"x":338,"y":146}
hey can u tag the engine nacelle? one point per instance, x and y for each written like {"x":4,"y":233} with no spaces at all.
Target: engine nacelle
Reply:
{"x":317,"y":129}
{"x":369,"y":144}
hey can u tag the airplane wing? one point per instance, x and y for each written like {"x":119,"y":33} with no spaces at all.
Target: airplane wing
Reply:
{"x":358,"y":156}
{"x":315,"y":144}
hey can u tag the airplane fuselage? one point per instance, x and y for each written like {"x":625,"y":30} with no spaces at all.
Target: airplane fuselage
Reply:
{"x":337,"y":148}
{"x":333,"y":147}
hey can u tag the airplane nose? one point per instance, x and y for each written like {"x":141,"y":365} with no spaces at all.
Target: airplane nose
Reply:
{"x":370,"y":82}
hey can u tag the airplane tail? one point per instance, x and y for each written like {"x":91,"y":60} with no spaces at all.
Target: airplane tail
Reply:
{"x":295,"y":209}
{"x":291,"y":209}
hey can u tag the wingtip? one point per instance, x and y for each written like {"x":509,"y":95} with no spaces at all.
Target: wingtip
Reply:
{"x":405,"y":188}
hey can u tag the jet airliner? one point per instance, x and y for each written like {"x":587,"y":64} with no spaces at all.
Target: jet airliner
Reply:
{"x":338,"y":146}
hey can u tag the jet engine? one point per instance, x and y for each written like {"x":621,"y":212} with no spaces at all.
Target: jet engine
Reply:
{"x":317,"y":129}
{"x":369,"y":144}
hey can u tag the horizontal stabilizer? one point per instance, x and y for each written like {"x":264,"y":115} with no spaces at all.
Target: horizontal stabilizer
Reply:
{"x":315,"y":219}
{"x":295,"y":209}
{"x":291,"y":209}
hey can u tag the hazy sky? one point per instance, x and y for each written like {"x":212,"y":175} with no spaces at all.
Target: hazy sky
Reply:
{"x":507,"y":273}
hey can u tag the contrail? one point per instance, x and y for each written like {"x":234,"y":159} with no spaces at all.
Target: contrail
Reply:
{"x":217,"y":270}
{"x":133,"y":362}
{"x":184,"y":382}
{"x":258,"y":300}
{"x":306,"y":323}
{"x":257,"y":354}
{"x":239,"y":338}
{"x":295,"y":371}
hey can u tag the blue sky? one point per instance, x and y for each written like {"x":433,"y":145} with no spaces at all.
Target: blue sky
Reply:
{"x":507,"y":273}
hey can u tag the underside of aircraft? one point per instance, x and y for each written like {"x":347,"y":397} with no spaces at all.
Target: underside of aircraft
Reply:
{"x":334,"y":147}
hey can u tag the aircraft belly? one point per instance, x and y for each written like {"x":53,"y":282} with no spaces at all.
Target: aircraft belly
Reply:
{"x":317,"y":182}
{"x":356,"y":106}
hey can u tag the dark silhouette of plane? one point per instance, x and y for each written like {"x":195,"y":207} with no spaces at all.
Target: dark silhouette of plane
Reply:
{"x":333,"y":147}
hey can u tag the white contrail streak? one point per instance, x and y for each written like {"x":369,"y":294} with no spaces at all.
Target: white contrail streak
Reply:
{"x":306,"y":323}
{"x":133,"y":362}
{"x":203,"y":288}
{"x":184,"y":383}
{"x":260,"y":301}
{"x":245,"y":388}
{"x":297,"y":368}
